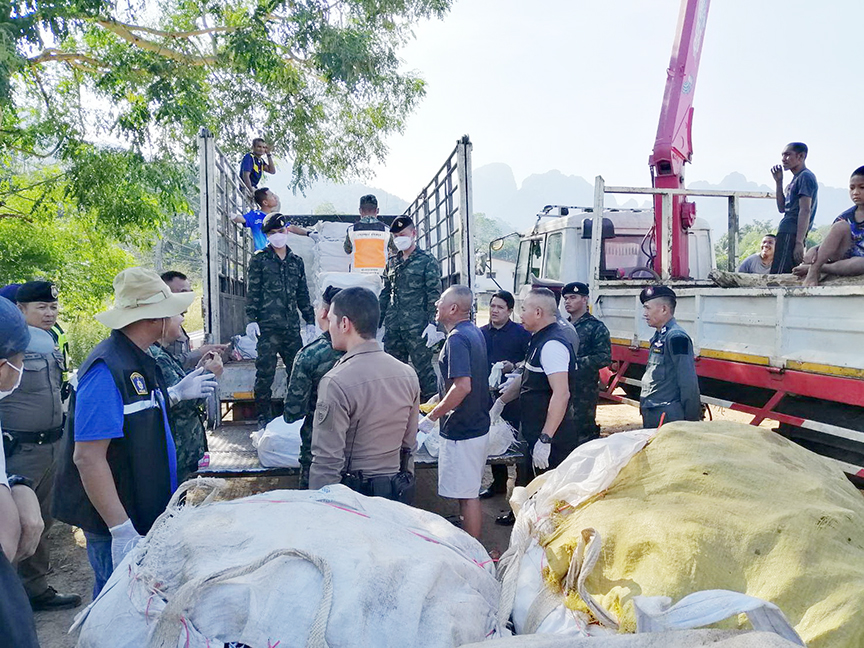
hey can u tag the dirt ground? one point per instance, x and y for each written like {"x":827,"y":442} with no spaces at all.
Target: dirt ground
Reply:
{"x":71,"y":571}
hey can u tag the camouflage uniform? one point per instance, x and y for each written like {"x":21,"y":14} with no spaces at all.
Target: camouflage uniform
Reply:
{"x":277,"y":290}
{"x":312,"y":362}
{"x":186,"y":417}
{"x":411,"y":288}
{"x":595,"y":352}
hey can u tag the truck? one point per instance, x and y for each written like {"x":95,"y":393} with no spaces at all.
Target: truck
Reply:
{"x":785,"y":353}
{"x":442,"y":212}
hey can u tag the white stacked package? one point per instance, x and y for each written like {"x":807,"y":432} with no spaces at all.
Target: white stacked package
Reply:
{"x":298,"y":568}
{"x":306,"y":249}
{"x":331,"y":247}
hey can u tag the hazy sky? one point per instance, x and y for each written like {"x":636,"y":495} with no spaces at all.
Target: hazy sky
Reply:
{"x":576,"y":85}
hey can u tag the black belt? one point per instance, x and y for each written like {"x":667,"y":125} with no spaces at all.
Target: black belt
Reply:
{"x":39,"y":438}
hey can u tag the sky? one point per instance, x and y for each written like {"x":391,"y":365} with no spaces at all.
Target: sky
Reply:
{"x":576,"y":85}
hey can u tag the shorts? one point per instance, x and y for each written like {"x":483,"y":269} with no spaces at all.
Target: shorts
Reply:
{"x":460,"y":467}
{"x":784,"y":248}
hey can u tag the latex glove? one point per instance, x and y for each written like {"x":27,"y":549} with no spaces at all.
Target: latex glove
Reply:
{"x":540,"y":454}
{"x":425,"y":425}
{"x":433,"y":335}
{"x":311,"y":332}
{"x":196,"y":384}
{"x":124,"y":537}
{"x":315,"y":236}
{"x":495,"y":412}
{"x":511,"y":378}
{"x":30,"y":516}
{"x":253,"y":330}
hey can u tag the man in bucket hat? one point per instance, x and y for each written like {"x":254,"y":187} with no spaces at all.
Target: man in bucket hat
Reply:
{"x":119,"y":465}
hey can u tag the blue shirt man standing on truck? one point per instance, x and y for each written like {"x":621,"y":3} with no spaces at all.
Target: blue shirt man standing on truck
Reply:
{"x":798,"y":206}
{"x":253,"y":165}
{"x":670,"y":387}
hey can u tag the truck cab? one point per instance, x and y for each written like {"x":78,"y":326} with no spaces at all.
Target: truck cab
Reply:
{"x":558,"y":249}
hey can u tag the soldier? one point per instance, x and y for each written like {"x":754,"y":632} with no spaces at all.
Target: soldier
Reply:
{"x":369,"y":237}
{"x":277,"y":290}
{"x":312,"y":362}
{"x":33,"y":422}
{"x":180,"y":349}
{"x":187,"y":416}
{"x":412,"y":285}
{"x":594,"y":353}
{"x":670,"y":387}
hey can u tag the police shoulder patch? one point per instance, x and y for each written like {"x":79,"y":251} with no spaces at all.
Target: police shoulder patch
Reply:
{"x":322,"y":409}
{"x":680,"y":345}
{"x":139,"y":384}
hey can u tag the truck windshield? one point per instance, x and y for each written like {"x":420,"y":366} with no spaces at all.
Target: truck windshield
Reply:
{"x":554,"y":247}
{"x":530,"y":258}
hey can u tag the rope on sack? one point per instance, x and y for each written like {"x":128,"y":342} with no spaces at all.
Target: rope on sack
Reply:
{"x":582,"y":563}
{"x":170,"y":624}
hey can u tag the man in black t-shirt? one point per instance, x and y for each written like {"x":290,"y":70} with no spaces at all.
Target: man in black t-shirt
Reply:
{"x":464,"y":406}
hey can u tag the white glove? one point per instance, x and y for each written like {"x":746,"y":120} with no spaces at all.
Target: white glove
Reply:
{"x":511,"y":378}
{"x":425,"y":425}
{"x":253,"y":330}
{"x":196,"y":384}
{"x":315,"y":236}
{"x":124,"y":537}
{"x":311,"y":332}
{"x":495,"y":412}
{"x":540,"y":454}
{"x":433,"y":335}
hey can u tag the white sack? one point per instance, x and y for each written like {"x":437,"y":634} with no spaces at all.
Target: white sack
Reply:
{"x":350,"y":280}
{"x":278,"y":444}
{"x":296,"y":567}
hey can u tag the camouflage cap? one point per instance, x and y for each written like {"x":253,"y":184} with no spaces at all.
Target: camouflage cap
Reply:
{"x":36,"y":291}
{"x":400,"y":224}
{"x":653,"y":292}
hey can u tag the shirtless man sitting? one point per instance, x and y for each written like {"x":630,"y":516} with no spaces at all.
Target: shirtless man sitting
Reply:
{"x":842,"y":251}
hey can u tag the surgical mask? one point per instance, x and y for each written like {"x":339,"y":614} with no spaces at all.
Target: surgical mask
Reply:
{"x":402,"y":243}
{"x":278,"y":240}
{"x":4,"y":394}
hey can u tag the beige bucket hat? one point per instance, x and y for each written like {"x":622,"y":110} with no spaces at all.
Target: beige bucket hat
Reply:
{"x":140,"y":294}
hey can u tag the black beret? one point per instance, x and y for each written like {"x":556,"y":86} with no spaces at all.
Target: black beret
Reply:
{"x":36,"y":291}
{"x":329,"y":293}
{"x":369,"y":200}
{"x":274,"y":221}
{"x":575,"y":288}
{"x":653,"y":292}
{"x":401,"y":223}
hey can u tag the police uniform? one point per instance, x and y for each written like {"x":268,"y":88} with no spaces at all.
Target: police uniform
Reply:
{"x":670,"y":386}
{"x":594,"y":353}
{"x":33,"y":424}
{"x":276,"y":291}
{"x":412,"y":285}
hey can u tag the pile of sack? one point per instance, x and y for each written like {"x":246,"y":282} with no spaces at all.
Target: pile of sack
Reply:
{"x":297,"y":568}
{"x":721,"y":518}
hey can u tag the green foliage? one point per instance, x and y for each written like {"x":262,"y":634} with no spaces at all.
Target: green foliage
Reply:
{"x":749,"y":239}
{"x":487,"y":229}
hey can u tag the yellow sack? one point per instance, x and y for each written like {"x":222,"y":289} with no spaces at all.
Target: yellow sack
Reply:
{"x":725,"y":506}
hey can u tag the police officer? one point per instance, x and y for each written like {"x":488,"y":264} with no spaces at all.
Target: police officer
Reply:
{"x":366,"y":240}
{"x":594,"y":353}
{"x":312,"y":362}
{"x":670,"y":387}
{"x":277,"y":291}
{"x":33,"y":422}
{"x":412,"y":285}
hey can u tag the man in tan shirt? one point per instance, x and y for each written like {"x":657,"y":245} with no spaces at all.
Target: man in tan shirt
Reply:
{"x":368,"y":404}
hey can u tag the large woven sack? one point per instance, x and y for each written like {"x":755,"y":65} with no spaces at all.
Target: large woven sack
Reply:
{"x":711,"y":506}
{"x":676,"y":639}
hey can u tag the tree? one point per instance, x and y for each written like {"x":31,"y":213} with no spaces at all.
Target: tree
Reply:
{"x":749,"y":239}
{"x":319,"y":78}
{"x":488,"y":229}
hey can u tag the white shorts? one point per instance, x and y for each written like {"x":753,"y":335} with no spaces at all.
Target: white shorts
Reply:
{"x":460,"y":467}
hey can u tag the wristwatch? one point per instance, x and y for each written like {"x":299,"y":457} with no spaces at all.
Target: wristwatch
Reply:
{"x":18,"y":480}
{"x":545,"y":438}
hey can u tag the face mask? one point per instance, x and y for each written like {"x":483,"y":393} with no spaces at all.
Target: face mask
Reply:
{"x":402,"y":243}
{"x":278,"y":240}
{"x":4,"y":394}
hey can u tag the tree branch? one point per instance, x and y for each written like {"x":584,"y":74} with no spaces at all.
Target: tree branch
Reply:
{"x":122,"y":31}
{"x":74,"y":59}
{"x":174,"y":34}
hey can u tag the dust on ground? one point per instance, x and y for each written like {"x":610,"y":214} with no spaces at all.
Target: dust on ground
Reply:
{"x":71,"y":571}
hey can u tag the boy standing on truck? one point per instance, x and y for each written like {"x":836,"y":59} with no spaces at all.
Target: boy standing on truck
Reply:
{"x":798,"y":206}
{"x":277,"y":291}
{"x":670,"y":387}
{"x":268,"y":203}
{"x":842,"y":251}
{"x":253,"y":165}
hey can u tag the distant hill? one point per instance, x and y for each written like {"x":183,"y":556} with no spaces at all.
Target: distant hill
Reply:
{"x":344,"y":198}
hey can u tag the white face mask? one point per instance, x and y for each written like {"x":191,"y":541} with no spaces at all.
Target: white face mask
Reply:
{"x":402,"y":243}
{"x":4,"y":394}
{"x":278,"y":240}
